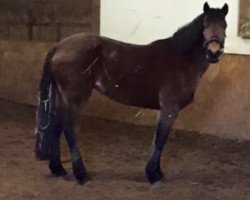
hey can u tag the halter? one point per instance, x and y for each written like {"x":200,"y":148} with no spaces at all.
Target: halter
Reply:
{"x":214,"y":39}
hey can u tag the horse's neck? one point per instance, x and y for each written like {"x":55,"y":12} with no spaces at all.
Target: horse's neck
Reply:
{"x":200,"y":62}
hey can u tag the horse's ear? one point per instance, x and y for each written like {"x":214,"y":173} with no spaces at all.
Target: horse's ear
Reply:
{"x":225,"y":9}
{"x":206,"y":8}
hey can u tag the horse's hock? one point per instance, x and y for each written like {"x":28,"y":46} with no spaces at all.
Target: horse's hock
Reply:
{"x":222,"y":102}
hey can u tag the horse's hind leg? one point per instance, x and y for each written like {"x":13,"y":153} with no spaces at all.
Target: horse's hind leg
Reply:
{"x":75,"y":96}
{"x":72,"y":125}
{"x":55,"y":164}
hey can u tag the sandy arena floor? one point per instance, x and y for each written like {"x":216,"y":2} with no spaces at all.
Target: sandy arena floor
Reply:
{"x":196,"y":167}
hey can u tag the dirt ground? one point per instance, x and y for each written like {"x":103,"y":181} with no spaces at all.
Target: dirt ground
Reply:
{"x":199,"y":167}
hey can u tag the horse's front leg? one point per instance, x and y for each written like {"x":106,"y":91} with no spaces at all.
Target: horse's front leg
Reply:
{"x":165,"y":121}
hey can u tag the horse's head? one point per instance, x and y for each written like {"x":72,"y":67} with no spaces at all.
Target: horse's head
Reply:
{"x":214,"y":31}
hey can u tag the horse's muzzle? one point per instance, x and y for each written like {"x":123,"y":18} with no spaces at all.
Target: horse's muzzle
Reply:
{"x":215,"y":48}
{"x":213,"y":56}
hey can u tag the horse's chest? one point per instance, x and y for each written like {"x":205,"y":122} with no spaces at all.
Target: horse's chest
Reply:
{"x":187,"y":93}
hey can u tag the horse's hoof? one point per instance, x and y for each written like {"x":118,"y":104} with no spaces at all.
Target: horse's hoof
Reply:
{"x":57,"y":170}
{"x":81,"y":177}
{"x":83,"y":180}
{"x":155,"y":176}
{"x":80,"y":172}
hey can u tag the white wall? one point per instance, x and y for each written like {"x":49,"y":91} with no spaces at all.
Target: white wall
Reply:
{"x":142,"y":21}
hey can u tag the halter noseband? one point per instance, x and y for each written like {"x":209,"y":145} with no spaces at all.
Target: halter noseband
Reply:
{"x":214,"y":39}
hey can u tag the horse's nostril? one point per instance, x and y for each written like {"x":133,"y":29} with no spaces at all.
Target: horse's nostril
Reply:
{"x":209,"y":53}
{"x":213,"y":54}
{"x":217,"y":53}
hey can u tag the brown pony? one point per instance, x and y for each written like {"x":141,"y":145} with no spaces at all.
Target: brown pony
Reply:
{"x":162,"y":75}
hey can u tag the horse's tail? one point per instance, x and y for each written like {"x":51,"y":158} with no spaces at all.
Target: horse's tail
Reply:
{"x":46,"y":105}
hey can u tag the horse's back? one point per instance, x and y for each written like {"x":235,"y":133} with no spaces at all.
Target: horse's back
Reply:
{"x":83,"y":46}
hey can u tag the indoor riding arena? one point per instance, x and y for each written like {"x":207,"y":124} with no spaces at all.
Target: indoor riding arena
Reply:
{"x":169,"y":84}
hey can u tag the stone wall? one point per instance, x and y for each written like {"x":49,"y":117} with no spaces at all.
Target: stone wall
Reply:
{"x":28,"y":28}
{"x":47,"y":20}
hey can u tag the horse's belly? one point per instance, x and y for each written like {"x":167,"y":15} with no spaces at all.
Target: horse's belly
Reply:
{"x":129,"y":94}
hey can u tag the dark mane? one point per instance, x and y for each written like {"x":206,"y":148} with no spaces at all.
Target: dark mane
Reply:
{"x":187,"y":36}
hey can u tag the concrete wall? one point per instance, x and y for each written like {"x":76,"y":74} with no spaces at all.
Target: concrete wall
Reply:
{"x":27,"y":30}
{"x":20,"y":70}
{"x":221,"y":107}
